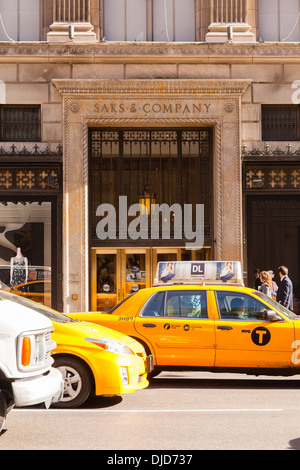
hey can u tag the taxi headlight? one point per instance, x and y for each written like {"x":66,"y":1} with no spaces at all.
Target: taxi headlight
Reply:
{"x":110,"y":345}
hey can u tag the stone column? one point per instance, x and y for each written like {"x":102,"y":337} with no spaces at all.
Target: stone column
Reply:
{"x":228,"y":22}
{"x":71,"y":21}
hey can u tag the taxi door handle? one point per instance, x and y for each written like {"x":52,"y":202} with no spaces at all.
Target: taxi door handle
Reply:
{"x":224,"y":327}
{"x":149,"y":325}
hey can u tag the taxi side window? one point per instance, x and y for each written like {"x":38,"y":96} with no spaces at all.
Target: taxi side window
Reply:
{"x":234,"y":306}
{"x":189,"y":304}
{"x":155,"y":306}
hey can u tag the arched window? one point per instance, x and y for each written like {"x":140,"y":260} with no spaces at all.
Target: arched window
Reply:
{"x":279,"y":20}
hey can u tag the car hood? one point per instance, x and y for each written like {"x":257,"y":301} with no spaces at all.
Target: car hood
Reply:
{"x":82,"y":330}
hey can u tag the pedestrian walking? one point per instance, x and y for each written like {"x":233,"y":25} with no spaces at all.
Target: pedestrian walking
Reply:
{"x":266,"y":286}
{"x":257,"y":280}
{"x":285,"y":288}
{"x":274,"y":285}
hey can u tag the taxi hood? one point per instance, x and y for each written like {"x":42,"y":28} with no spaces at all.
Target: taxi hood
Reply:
{"x":94,"y":331}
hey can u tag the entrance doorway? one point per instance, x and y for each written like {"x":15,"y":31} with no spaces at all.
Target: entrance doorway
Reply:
{"x":169,"y":168}
{"x":273,"y":234}
{"x":118,"y":272}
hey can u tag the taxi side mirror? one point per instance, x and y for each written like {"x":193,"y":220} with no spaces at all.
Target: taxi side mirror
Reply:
{"x":270,"y":315}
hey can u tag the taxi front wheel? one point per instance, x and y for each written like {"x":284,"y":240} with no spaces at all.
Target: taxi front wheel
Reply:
{"x":77,"y":382}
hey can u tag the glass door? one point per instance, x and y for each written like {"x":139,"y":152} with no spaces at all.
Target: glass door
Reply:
{"x":117,"y":273}
{"x":105,"y":279}
{"x":137,"y":270}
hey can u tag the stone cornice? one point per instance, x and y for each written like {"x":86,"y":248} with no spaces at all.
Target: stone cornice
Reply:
{"x":151,"y":87}
{"x":67,"y":50}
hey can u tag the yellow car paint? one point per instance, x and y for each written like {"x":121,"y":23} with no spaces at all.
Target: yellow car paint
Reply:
{"x":86,"y":344}
{"x":213,"y":336}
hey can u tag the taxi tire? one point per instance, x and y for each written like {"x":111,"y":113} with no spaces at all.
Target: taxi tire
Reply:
{"x":73,"y":369}
{"x":3,"y":410}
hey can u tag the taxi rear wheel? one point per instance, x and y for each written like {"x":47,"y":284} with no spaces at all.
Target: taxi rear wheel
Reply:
{"x":77,"y":381}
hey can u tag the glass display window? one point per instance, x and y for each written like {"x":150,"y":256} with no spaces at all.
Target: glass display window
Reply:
{"x":26,"y":249}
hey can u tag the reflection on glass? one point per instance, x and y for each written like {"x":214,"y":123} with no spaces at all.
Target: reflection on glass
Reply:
{"x":135,"y":272}
{"x":25,"y":249}
{"x":106,"y":281}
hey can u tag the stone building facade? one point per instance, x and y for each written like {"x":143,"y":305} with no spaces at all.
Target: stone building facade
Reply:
{"x":192,"y":103}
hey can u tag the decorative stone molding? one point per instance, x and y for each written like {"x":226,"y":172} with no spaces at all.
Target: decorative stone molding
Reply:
{"x":239,"y":33}
{"x":71,"y":22}
{"x":21,"y":150}
{"x":148,"y":103}
{"x":151,"y":87}
{"x":264,"y":152}
{"x":151,"y":51}
{"x":229,"y":22}
{"x":266,"y":178}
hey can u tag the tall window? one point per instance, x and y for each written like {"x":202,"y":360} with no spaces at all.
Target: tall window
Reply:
{"x":20,"y":20}
{"x":279,"y":20}
{"x":157,"y":166}
{"x":154,"y":20}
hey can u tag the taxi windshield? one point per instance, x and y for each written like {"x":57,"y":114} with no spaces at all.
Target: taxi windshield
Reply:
{"x":47,"y":312}
{"x":285,"y":311}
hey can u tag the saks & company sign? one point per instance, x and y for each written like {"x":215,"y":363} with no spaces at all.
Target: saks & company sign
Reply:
{"x":165,"y":108}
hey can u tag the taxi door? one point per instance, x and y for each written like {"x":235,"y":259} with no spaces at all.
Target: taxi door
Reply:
{"x":177,"y":325}
{"x":244,"y":339}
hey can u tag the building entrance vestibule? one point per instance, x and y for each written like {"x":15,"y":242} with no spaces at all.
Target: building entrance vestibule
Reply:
{"x":183,"y":149}
{"x":118,"y":272}
{"x":169,"y":168}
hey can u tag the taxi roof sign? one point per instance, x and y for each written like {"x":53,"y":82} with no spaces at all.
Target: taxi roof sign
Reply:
{"x":197,"y":272}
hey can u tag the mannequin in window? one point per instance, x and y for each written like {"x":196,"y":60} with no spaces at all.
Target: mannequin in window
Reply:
{"x":18,"y":269}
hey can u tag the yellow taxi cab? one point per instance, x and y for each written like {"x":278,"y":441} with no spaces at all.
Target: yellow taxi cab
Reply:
{"x":38,"y":291}
{"x":93,"y":359}
{"x":208,"y":320}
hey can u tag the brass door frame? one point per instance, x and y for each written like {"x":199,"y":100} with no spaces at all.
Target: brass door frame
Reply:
{"x":151,"y":255}
{"x":148,"y":267}
{"x":120,"y":273}
{"x":94,"y":253}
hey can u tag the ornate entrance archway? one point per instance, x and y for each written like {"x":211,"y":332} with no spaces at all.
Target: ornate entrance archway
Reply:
{"x":148,"y":103}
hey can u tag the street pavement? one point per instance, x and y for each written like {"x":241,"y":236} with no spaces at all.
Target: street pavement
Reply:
{"x":178,"y":411}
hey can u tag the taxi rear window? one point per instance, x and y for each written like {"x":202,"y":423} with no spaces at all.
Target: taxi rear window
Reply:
{"x":181,"y":304}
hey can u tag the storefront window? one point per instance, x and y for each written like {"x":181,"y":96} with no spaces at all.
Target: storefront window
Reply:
{"x":25,"y":249}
